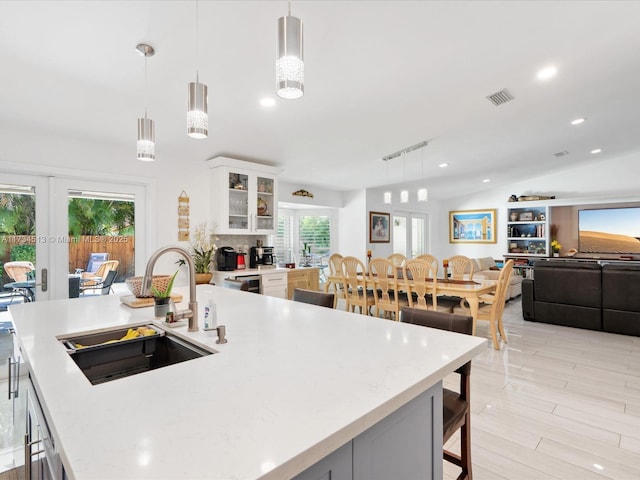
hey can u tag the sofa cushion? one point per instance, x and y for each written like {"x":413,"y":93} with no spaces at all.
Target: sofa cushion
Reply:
{"x":620,"y":299}
{"x":485,"y":263}
{"x":568,"y":283}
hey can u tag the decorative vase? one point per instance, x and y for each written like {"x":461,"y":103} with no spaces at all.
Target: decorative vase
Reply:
{"x":556,"y":254}
{"x":202,"y":278}
{"x":514,"y":216}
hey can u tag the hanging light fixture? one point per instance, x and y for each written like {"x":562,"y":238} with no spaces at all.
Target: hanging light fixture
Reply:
{"x":290,"y":62}
{"x":387,"y":195}
{"x":198,"y":99}
{"x":146,"y":127}
{"x":404,"y":194}
{"x":422,"y":192}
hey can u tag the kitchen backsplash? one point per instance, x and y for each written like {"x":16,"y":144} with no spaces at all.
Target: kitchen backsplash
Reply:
{"x":240,"y":241}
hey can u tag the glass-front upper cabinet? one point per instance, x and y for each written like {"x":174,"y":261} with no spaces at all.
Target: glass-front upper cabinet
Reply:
{"x":244,"y":199}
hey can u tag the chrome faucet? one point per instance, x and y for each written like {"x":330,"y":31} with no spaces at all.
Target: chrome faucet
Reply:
{"x":192,"y":312}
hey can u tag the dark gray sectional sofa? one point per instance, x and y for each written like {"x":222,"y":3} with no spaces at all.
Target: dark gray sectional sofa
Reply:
{"x":584,"y":295}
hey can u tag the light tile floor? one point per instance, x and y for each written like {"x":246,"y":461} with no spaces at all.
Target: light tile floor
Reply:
{"x":554,"y":403}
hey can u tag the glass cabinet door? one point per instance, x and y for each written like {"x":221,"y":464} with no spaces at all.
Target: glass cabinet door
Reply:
{"x":265,"y":203}
{"x":238,"y":201}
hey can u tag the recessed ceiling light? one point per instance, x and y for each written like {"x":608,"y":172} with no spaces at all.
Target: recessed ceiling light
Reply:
{"x":547,"y":73}
{"x":596,"y":150}
{"x":577,"y":121}
{"x":267,"y":102}
{"x":486,"y":180}
{"x":443,"y":165}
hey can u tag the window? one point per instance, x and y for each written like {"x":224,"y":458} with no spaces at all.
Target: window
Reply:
{"x":299,"y":227}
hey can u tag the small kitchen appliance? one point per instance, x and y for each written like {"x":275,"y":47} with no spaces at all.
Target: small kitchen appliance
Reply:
{"x":226,"y":259}
{"x":260,"y":256}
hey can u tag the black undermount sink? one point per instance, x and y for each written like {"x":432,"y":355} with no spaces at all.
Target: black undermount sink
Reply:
{"x":102,"y":362}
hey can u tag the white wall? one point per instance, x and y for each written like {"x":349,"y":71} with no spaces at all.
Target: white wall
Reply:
{"x":594,"y":180}
{"x":352,"y":225}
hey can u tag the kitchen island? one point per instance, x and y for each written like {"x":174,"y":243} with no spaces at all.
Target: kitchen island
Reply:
{"x":293,"y":384}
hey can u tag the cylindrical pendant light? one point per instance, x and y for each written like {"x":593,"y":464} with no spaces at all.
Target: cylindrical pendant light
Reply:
{"x":197,"y":110}
{"x":146,"y":146}
{"x":146,"y":139}
{"x":290,"y":62}
{"x":422,"y":192}
{"x":404,"y":194}
{"x":197,"y":98}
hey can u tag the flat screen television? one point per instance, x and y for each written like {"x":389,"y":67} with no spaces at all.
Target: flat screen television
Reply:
{"x":609,"y":230}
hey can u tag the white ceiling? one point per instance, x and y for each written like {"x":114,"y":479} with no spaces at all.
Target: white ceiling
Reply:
{"x":380,"y":76}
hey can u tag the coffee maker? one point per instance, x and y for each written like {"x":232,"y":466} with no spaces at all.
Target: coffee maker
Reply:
{"x":260,"y":255}
{"x":226,"y":259}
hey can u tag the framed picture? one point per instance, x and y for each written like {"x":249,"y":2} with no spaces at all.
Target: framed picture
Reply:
{"x":472,"y":226}
{"x":526,"y":216}
{"x":379,"y":227}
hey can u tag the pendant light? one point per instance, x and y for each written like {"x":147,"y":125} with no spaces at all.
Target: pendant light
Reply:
{"x":422,"y":192}
{"x":290,"y":62}
{"x":387,"y":195}
{"x":146,"y":127}
{"x":404,"y":194}
{"x":198,"y":99}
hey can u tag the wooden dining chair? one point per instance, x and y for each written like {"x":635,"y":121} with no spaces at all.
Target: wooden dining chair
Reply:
{"x":335,"y":277}
{"x":354,"y":281}
{"x":314,"y":297}
{"x":461,"y":266}
{"x":492,"y":307}
{"x":397,"y":259}
{"x":389,"y":293}
{"x":422,"y":293}
{"x":456,"y":406}
{"x":431,"y":259}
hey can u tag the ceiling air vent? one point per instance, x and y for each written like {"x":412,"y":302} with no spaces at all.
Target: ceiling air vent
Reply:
{"x":561,"y":154}
{"x":498,"y":98}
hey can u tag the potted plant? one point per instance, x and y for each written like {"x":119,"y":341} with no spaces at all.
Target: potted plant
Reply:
{"x":162,"y":298}
{"x":202,"y":251}
{"x":555,"y":246}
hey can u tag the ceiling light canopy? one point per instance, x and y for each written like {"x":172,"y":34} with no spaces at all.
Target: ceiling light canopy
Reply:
{"x":290,"y":62}
{"x":146,"y":145}
{"x":267,"y":102}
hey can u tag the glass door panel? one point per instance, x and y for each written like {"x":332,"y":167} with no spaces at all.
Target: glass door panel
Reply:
{"x":400,"y":234}
{"x":265,"y":203}
{"x":24,"y":238}
{"x":238,"y":201}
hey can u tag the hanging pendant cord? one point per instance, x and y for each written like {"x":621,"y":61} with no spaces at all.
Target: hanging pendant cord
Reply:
{"x":197,"y":40}
{"x":145,"y":87}
{"x":289,"y":8}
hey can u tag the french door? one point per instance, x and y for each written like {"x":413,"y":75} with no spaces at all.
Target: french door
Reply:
{"x":25,"y":226}
{"x":41,"y":235}
{"x":409,"y":234}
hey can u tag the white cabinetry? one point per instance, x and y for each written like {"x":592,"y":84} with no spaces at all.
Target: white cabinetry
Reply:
{"x":243,"y":197}
{"x":528,"y":231}
{"x":274,"y":284}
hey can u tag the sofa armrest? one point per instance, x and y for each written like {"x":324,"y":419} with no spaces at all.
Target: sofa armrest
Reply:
{"x":528,"y":312}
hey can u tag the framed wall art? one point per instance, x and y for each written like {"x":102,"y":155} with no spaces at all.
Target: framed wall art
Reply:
{"x":379,"y":227}
{"x":472,"y":226}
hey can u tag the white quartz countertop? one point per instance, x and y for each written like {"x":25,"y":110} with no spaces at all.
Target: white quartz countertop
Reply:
{"x":293,"y":383}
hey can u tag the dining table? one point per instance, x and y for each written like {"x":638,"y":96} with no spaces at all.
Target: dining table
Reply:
{"x":470,"y":290}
